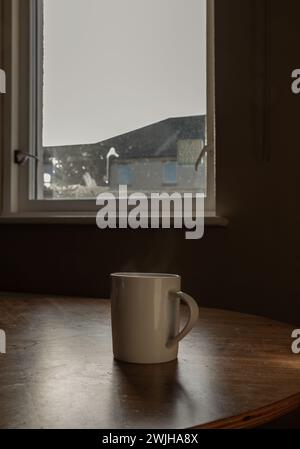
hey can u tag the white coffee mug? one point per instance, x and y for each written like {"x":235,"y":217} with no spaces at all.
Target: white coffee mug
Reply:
{"x":146,"y":317}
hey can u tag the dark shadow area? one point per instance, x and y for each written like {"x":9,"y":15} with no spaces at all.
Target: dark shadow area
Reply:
{"x":149,"y":392}
{"x":290,"y":421}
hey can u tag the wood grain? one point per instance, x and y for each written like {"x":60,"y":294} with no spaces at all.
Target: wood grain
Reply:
{"x":233,"y":371}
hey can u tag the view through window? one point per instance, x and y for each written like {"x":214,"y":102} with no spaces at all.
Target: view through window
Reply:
{"x":124,"y":96}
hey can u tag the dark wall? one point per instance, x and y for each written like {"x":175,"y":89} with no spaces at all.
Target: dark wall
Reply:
{"x":253,"y":265}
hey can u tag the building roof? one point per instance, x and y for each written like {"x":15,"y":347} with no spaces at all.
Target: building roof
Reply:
{"x":158,"y":140}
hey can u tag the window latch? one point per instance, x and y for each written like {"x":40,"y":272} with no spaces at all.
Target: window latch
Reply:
{"x":201,"y":157}
{"x":21,"y":157}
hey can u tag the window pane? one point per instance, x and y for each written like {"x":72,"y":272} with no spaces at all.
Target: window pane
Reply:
{"x":125,"y":175}
{"x":124,"y":92}
{"x":170,"y":173}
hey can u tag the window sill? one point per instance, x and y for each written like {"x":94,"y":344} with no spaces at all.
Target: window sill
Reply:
{"x":82,"y":219}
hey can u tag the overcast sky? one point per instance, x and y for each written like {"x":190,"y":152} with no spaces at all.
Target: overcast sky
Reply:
{"x":112,"y":66}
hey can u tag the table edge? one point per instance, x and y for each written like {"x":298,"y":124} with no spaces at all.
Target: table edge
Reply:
{"x":257,"y":417}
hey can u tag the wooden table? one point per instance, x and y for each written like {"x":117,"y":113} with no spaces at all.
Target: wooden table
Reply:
{"x":234,"y":371}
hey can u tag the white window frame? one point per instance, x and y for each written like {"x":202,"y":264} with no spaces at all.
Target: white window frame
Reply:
{"x":19,"y":107}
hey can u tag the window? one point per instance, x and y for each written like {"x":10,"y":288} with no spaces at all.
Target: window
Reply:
{"x":170,"y":173}
{"x":117,"y":90}
{"x":124,"y":175}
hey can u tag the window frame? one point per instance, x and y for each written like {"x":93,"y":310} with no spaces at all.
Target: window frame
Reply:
{"x":20,"y":109}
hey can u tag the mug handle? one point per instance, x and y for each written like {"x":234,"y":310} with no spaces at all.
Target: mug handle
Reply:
{"x":193,"y":317}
